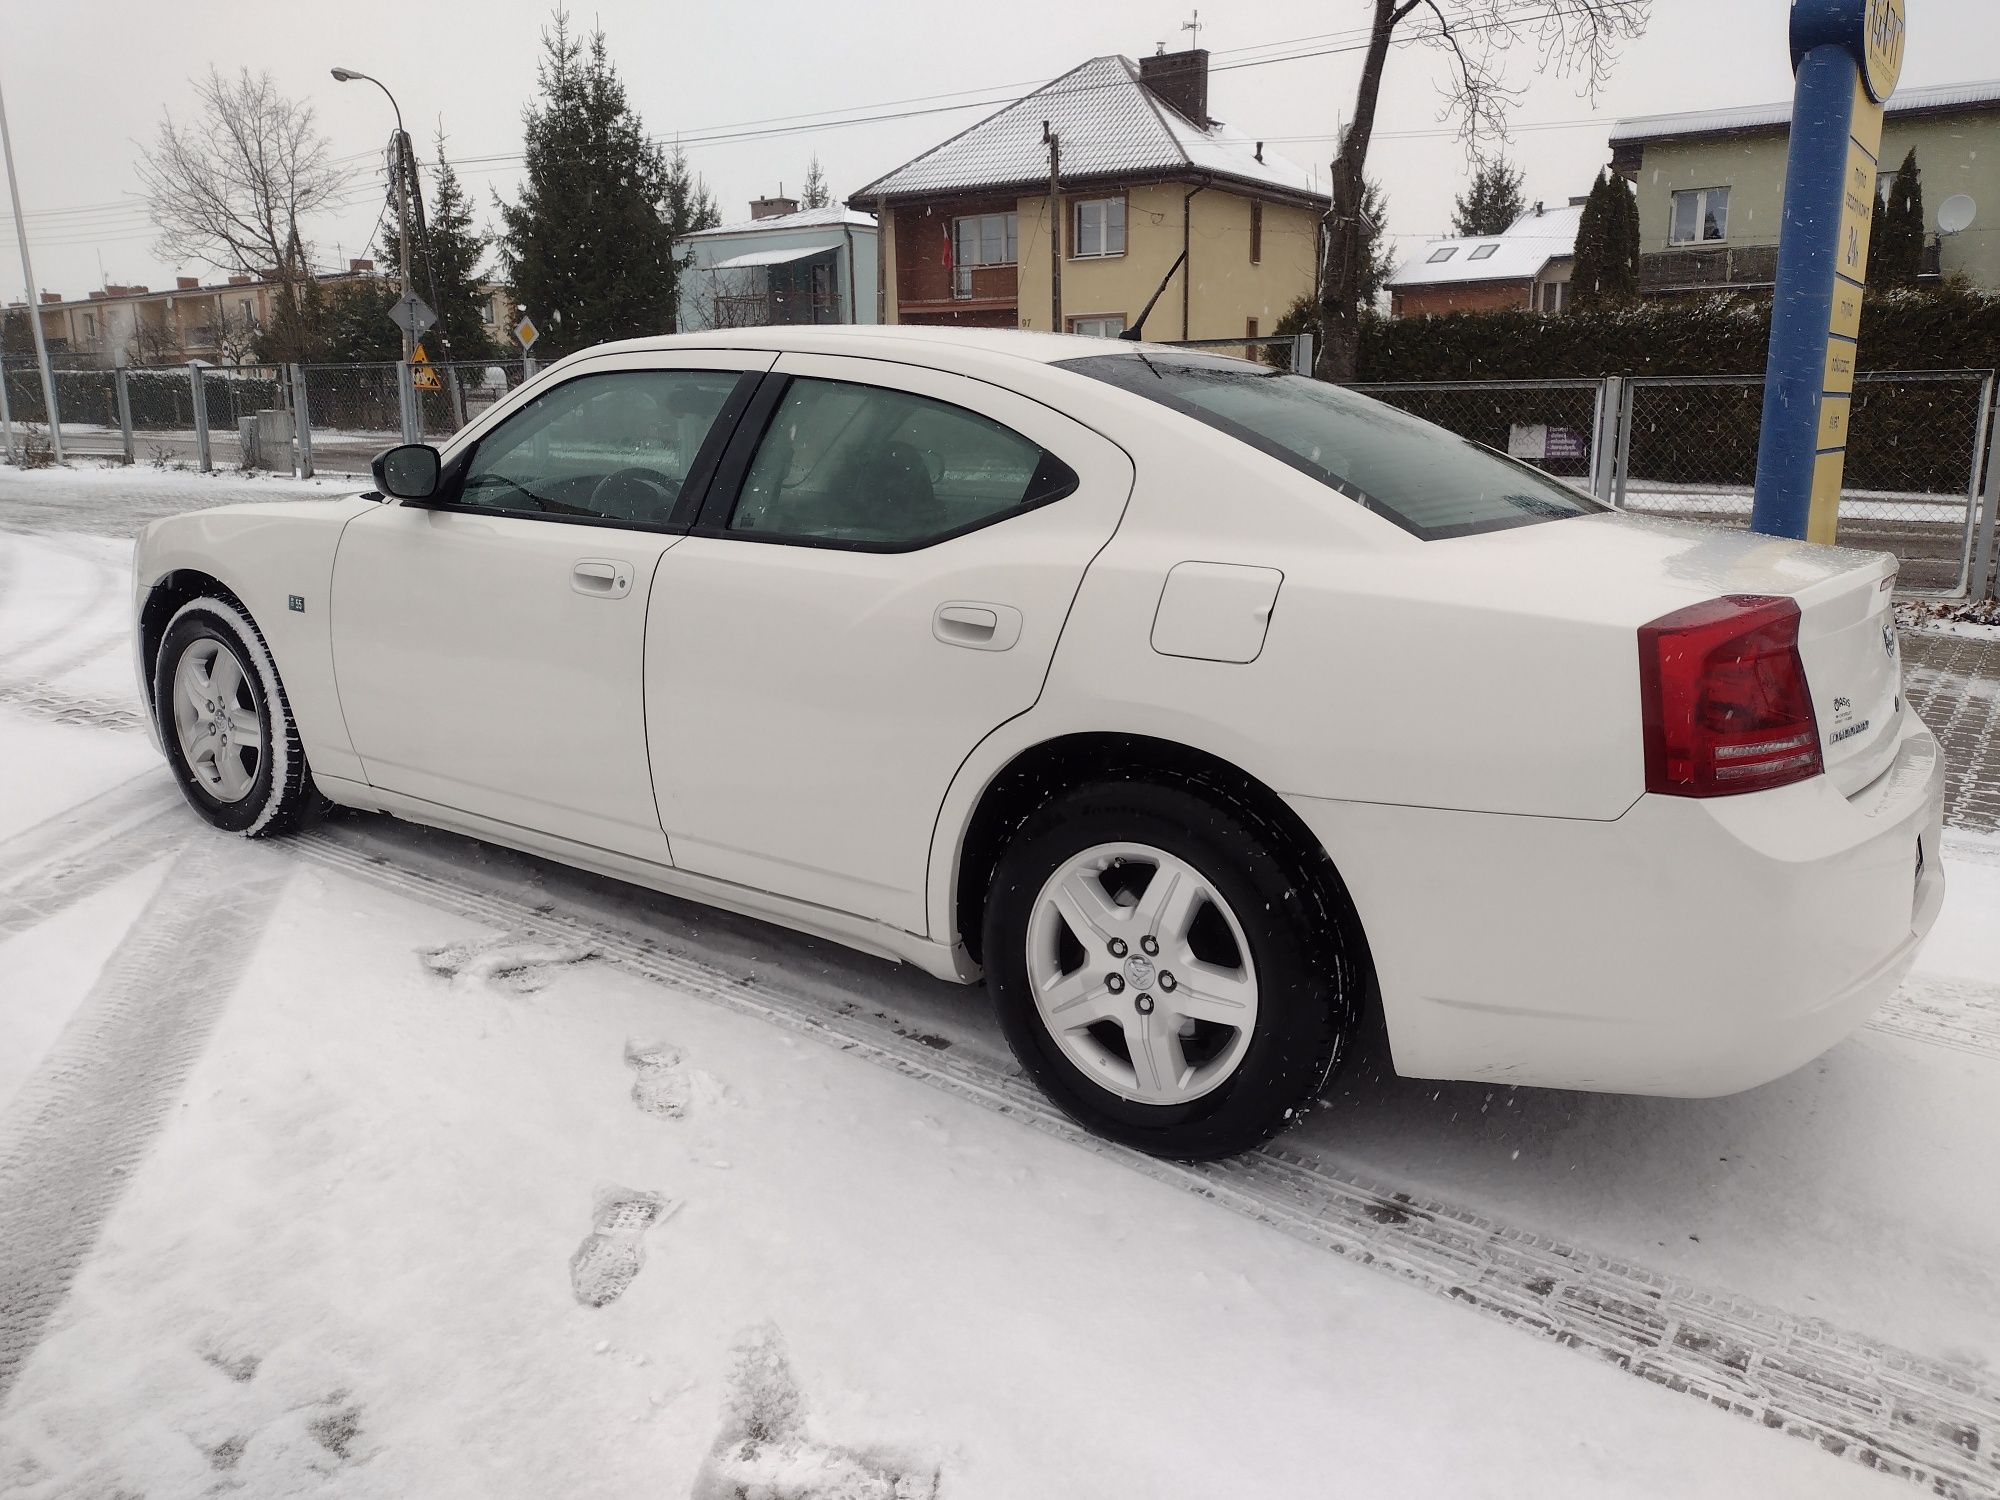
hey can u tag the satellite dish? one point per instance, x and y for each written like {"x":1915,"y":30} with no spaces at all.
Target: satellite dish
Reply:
{"x":1955,"y":213}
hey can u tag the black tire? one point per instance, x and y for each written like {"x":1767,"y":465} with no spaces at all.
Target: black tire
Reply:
{"x":1309,"y":965}
{"x":281,"y":794}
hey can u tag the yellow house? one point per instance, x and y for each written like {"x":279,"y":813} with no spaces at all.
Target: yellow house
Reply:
{"x":1155,"y":202}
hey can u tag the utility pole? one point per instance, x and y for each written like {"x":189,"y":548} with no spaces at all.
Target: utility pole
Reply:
{"x":401,"y":146}
{"x":1055,"y":229}
{"x":34,"y":293}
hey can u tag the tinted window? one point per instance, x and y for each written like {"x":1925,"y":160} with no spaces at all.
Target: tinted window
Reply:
{"x":1430,"y":482}
{"x":863,"y":465}
{"x":616,"y":446}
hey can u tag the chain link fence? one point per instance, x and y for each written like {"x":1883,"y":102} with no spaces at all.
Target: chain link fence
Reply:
{"x":1552,"y":424}
{"x":1916,"y":450}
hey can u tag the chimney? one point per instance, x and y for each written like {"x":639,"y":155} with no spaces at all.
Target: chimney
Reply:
{"x":361,"y":265}
{"x":1179,"y":80}
{"x":52,"y":297}
{"x":138,"y":291}
{"x":94,"y":297}
{"x":187,"y":283}
{"x":771,"y":208}
{"x":1579,"y":202}
{"x":239,"y":281}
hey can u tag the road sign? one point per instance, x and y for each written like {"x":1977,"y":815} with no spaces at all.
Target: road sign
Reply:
{"x":527,"y":332}
{"x":413,"y":315}
{"x":423,"y":375}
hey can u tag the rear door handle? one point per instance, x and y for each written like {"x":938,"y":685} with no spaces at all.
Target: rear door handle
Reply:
{"x":601,"y":577}
{"x":976,"y":625}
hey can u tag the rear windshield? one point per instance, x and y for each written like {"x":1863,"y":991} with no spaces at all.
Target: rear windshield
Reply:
{"x":1430,"y":482}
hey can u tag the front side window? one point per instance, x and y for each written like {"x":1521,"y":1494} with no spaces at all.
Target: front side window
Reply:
{"x":1432,"y":483}
{"x":1700,"y":214}
{"x":1099,"y":228}
{"x":866,"y":466}
{"x":616,"y":446}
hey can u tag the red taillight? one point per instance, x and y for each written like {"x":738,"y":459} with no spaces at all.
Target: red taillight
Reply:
{"x":1724,"y":699}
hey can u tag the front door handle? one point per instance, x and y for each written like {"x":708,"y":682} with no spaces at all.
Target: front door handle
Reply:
{"x":601,"y":577}
{"x":976,"y":625}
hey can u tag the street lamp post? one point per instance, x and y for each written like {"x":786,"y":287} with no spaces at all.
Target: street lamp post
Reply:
{"x":34,"y":301}
{"x":403,"y":158}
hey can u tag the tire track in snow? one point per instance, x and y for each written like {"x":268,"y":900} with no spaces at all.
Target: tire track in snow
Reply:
{"x":1963,"y":1014}
{"x":46,"y":702}
{"x":1925,"y":1420}
{"x":104,"y":586}
{"x":71,"y":1140}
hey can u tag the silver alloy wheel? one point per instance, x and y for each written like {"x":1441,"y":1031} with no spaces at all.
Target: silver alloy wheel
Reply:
{"x":215,"y":719}
{"x":1141,"y":973}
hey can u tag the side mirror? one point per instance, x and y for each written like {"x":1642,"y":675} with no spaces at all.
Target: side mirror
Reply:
{"x":409,"y":472}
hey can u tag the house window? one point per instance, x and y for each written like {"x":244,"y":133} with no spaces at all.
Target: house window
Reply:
{"x":981,"y":240}
{"x":1249,"y":328}
{"x":1700,"y":214}
{"x":1484,"y":252}
{"x":1884,"y":181}
{"x":1099,"y":228}
{"x":89,"y":327}
{"x":487,"y":314}
{"x":1441,"y":255}
{"x":1256,"y":233}
{"x":1100,"y":326}
{"x":1552,"y":296}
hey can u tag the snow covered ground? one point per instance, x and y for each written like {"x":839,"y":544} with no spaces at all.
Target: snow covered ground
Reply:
{"x":377,"y":1163}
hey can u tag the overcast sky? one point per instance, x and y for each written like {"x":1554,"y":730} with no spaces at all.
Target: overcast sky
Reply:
{"x":86,"y":80}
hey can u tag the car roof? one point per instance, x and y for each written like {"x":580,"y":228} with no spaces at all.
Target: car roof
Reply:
{"x":915,"y":342}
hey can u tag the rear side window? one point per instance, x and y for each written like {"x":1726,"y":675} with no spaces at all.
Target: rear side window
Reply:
{"x":1430,"y":482}
{"x":854,"y":465}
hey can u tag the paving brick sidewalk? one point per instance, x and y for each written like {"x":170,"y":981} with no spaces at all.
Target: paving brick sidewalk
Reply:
{"x":1954,"y":682}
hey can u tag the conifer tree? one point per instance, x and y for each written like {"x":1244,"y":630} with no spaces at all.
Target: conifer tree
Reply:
{"x":686,"y":205}
{"x":1378,"y":250}
{"x":1491,"y":203}
{"x":1898,"y":248}
{"x":815,"y":194}
{"x":1606,"y":271}
{"x":586,"y":247}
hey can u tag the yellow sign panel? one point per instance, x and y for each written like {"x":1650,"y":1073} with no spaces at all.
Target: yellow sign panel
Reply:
{"x":1824,"y":517}
{"x":425,"y":378}
{"x":1857,"y":212}
{"x":527,"y":332}
{"x":1846,"y":310}
{"x":419,"y":357}
{"x":1883,"y":32}
{"x":1833,"y":422}
{"x":1839,"y":366}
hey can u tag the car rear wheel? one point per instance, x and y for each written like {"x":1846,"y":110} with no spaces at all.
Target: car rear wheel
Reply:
{"x":226,"y":724}
{"x":1161,"y":971}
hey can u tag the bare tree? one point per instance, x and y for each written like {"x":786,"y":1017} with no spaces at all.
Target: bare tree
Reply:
{"x":232,"y":184}
{"x":1575,"y":37}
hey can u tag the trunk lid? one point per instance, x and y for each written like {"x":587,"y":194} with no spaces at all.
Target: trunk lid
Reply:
{"x":1637,"y":568}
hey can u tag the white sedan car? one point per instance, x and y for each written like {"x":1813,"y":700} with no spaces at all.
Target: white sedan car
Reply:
{"x":1202,"y":709}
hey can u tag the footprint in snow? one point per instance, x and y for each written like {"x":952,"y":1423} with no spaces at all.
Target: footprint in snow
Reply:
{"x":765,"y":1450}
{"x":517,"y":962}
{"x":613,"y":1251}
{"x":661,"y":1085}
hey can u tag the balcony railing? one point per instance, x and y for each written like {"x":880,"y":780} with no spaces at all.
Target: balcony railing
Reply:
{"x":1718,"y":268}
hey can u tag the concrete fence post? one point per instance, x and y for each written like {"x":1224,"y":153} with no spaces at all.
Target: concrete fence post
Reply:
{"x":1981,"y":583}
{"x":406,"y":401}
{"x":203,"y":461}
{"x":1605,"y":436}
{"x":1302,"y":354}
{"x":6,"y":413}
{"x":122,"y":385}
{"x":302,"y":420}
{"x":1622,"y":443}
{"x":527,"y":368}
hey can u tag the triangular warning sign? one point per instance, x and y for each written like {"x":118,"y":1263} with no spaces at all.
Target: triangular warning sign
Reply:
{"x":420,"y":358}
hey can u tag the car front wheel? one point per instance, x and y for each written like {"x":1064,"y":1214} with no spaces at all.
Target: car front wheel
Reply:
{"x":1162,"y":970}
{"x":225,"y":722}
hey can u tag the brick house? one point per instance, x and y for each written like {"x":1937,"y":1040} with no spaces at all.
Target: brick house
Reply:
{"x":1526,"y":266}
{"x":1153,"y":197}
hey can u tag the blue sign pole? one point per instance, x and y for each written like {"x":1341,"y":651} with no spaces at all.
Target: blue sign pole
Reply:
{"x":1846,"y":56}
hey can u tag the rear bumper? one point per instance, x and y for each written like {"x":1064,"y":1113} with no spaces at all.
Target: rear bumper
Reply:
{"x":1690,"y":947}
